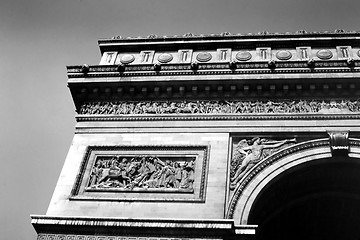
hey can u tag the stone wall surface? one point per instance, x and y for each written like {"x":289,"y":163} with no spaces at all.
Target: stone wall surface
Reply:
{"x":213,"y":207}
{"x":214,"y":135}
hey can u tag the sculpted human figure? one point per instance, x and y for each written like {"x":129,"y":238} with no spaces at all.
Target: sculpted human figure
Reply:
{"x":239,"y":107}
{"x":194,"y":108}
{"x":343,"y":105}
{"x":177,"y":175}
{"x":187,"y":179}
{"x":153,"y":181}
{"x":247,"y":108}
{"x":313,"y":105}
{"x":253,"y":154}
{"x":95,"y":174}
{"x":168,"y":175}
{"x":147,"y":168}
{"x":229,"y":107}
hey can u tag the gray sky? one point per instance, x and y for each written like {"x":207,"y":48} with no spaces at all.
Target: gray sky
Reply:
{"x":39,"y":38}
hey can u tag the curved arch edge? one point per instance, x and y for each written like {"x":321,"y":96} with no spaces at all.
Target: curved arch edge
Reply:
{"x":262,"y":173}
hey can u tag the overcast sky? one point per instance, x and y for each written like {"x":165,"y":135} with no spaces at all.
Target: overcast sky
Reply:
{"x":39,"y":38}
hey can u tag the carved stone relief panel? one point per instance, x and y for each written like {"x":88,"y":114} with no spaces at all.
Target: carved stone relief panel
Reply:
{"x":140,"y":172}
{"x":223,"y":107}
{"x":246,"y":152}
{"x":146,"y":173}
{"x":48,"y":236}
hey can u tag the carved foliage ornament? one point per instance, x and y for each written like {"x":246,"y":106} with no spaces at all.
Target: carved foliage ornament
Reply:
{"x":221,"y":107}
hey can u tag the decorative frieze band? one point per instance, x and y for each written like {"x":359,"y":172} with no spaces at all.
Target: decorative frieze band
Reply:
{"x":221,"y":107}
{"x":228,"y":54}
{"x":44,"y":236}
{"x":265,"y":67}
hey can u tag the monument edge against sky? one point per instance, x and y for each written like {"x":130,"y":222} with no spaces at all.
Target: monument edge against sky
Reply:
{"x":182,"y":136}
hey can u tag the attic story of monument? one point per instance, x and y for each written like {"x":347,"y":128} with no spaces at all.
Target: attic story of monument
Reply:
{"x":219,"y":136}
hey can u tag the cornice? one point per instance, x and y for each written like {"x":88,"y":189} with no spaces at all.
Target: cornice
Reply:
{"x":98,"y":71}
{"x":126,"y":222}
{"x":222,"y":117}
{"x":257,"y":66}
{"x":166,"y":228}
{"x":232,"y":36}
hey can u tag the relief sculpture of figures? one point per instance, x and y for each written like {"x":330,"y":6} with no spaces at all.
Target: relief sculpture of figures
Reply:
{"x":249,"y":152}
{"x":145,"y":172}
{"x":221,"y":107}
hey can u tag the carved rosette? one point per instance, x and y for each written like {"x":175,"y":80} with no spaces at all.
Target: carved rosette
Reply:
{"x":243,"y":56}
{"x":203,"y":57}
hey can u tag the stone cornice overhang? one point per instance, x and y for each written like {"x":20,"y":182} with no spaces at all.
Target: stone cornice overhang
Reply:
{"x":331,"y":79}
{"x":215,"y":117}
{"x":298,"y":67}
{"x":253,"y":79}
{"x":227,"y":40}
{"x":218,"y":228}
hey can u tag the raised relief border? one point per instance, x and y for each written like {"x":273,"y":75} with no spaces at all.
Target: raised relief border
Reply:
{"x":142,"y":173}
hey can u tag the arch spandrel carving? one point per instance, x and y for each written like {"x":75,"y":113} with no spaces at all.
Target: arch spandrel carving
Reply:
{"x":272,"y":166}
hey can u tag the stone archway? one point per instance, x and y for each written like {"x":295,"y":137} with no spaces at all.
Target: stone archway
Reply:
{"x":304,"y":176}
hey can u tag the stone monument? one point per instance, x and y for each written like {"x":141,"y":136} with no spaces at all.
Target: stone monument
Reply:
{"x":221,"y":136}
